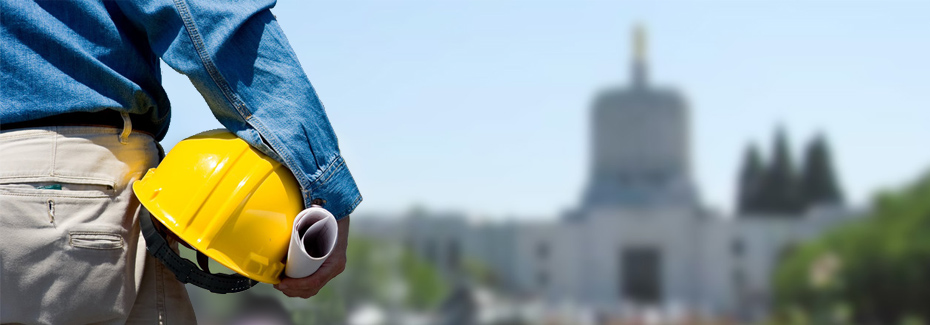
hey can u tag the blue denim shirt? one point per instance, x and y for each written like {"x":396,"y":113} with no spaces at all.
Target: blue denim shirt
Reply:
{"x":91,"y":55}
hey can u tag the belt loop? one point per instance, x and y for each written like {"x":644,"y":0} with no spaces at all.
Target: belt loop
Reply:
{"x":127,"y":128}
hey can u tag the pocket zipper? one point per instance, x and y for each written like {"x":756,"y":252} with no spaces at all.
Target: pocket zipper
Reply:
{"x":51,"y":211}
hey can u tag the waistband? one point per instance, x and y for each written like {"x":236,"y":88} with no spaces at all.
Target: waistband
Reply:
{"x":68,"y":131}
{"x":89,"y":155}
{"x":104,"y":118}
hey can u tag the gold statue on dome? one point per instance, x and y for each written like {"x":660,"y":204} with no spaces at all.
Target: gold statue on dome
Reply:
{"x":639,"y":43}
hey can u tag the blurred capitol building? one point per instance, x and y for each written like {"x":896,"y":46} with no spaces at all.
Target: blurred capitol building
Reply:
{"x":640,"y":240}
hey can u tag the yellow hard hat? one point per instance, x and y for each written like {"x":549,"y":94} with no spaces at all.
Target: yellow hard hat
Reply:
{"x":227,"y":201}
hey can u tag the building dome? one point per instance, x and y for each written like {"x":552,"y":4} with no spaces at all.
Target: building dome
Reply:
{"x":640,"y":153}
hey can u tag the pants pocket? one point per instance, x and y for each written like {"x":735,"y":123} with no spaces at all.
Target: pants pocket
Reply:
{"x":67,"y":257}
{"x":95,"y":240}
{"x":89,"y":188}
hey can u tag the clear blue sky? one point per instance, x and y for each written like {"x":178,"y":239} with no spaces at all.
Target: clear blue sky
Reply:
{"x":483,"y":106}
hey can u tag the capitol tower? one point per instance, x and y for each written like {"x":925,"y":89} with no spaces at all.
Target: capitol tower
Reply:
{"x":640,"y":151}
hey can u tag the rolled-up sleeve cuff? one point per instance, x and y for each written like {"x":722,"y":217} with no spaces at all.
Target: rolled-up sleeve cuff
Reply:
{"x":336,"y":188}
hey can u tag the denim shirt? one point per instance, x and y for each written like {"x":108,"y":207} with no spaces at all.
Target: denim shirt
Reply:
{"x":91,"y":55}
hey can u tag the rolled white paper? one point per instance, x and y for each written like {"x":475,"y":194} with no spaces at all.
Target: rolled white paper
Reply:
{"x":312,"y":240}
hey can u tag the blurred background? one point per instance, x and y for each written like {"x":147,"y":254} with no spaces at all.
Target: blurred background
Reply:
{"x":608,"y":162}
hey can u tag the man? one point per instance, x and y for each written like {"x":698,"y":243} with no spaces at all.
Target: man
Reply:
{"x":81,"y":111}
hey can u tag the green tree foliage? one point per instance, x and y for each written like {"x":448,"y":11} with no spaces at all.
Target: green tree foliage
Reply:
{"x":386,"y":274}
{"x":750,"y":181}
{"x":776,"y":187}
{"x":426,"y":288}
{"x":818,"y":182}
{"x":780,"y":187}
{"x":883,"y":273}
{"x":376,"y":273}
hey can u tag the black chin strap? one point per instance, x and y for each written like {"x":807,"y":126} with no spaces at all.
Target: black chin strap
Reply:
{"x":185,"y":270}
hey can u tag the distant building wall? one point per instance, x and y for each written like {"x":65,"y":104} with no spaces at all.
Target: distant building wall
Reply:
{"x":707,"y":263}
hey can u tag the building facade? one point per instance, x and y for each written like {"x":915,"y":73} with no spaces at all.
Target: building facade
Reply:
{"x":640,"y":237}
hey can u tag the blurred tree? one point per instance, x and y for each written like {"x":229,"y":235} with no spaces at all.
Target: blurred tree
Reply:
{"x":750,"y":181}
{"x":884,"y":264}
{"x":818,"y":182}
{"x":481,"y":273}
{"x":779,"y":193}
{"x":379,"y":273}
{"x":426,"y":288}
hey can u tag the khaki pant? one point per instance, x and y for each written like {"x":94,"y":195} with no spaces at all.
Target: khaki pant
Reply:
{"x":69,"y":231}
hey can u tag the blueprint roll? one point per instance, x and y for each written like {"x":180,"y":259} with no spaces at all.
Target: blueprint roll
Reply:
{"x":312,"y":240}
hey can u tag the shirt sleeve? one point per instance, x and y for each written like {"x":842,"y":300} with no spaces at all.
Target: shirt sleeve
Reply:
{"x":237,"y":56}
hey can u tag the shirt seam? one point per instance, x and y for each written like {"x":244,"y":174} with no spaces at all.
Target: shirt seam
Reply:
{"x":201,"y":48}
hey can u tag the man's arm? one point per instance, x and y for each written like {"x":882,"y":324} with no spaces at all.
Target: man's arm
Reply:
{"x":237,"y":56}
{"x":333,"y":266}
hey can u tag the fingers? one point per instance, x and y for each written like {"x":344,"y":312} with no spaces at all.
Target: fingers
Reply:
{"x":295,"y":290}
{"x":296,"y":293}
{"x":303,"y":287}
{"x":311,"y":285}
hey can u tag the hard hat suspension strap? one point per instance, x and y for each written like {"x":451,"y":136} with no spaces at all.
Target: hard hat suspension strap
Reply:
{"x":204,"y":262}
{"x":185,"y":270}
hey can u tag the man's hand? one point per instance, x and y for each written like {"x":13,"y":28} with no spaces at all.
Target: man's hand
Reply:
{"x":335,"y":264}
